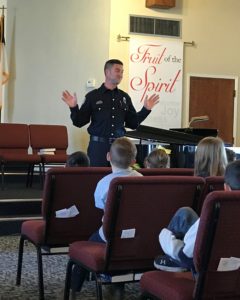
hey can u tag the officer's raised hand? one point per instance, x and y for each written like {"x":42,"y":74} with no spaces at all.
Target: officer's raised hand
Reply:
{"x":70,"y":100}
{"x":150,"y":102}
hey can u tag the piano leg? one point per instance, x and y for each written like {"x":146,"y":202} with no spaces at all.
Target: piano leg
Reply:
{"x":182,"y":156}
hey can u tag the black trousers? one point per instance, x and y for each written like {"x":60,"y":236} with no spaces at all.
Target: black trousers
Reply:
{"x":97,"y":152}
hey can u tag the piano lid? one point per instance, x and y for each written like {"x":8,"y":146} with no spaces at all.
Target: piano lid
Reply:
{"x":164,"y":135}
{"x":203,"y":132}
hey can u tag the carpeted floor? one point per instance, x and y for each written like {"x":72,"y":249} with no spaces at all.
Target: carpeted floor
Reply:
{"x":54,"y":266}
{"x":54,"y":275}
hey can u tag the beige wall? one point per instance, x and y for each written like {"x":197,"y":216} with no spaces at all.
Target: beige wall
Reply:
{"x":56,"y":44}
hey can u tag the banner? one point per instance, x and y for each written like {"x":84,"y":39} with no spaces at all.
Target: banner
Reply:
{"x":157,"y":67}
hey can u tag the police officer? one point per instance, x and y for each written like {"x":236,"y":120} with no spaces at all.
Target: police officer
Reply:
{"x":109,"y":110}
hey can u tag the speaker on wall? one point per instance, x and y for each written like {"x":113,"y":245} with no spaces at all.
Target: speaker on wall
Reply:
{"x":160,"y":4}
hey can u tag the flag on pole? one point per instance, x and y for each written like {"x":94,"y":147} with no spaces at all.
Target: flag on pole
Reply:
{"x":4,"y":74}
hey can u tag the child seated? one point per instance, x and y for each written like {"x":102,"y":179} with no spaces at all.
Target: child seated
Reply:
{"x":178,"y":239}
{"x":78,"y":159}
{"x":158,"y":158}
{"x":121,"y":156}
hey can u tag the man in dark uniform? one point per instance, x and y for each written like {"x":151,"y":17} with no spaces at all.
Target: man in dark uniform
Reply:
{"x":109,"y":110}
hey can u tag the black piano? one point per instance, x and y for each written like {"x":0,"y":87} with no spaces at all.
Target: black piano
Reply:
{"x":181,"y":142}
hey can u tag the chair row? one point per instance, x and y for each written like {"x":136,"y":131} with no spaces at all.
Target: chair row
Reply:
{"x":140,"y":205}
{"x":212,"y":183}
{"x":136,"y":211}
{"x":217,"y":240}
{"x":167,"y":171}
{"x":17,"y":139}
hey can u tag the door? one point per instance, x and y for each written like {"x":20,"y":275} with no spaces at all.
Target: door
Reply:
{"x":213,"y":97}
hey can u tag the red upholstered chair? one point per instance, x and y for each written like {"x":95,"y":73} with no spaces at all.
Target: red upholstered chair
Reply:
{"x":63,"y":188}
{"x":140,"y":206}
{"x":166,"y":171}
{"x":212,"y":183}
{"x":217,"y":237}
{"x":55,"y":137}
{"x":14,"y":144}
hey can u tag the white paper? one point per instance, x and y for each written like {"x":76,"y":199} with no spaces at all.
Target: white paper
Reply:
{"x":46,"y":153}
{"x":47,"y":150}
{"x":229,"y":264}
{"x":128,"y":233}
{"x":122,"y":278}
{"x":67,"y":212}
{"x":138,"y":276}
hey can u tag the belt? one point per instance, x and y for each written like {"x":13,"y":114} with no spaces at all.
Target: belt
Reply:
{"x":100,"y":139}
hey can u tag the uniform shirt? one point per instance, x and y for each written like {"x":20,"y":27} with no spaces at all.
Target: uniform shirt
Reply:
{"x":109,"y":112}
{"x":102,"y":188}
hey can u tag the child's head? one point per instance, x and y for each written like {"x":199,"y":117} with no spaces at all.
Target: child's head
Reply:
{"x":78,"y":159}
{"x":122,"y":153}
{"x":232,"y":175}
{"x":210,"y":157}
{"x":158,"y":158}
{"x":231,"y":155}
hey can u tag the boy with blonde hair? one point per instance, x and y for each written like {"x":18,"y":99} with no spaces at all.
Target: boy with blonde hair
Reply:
{"x":158,"y":158}
{"x":122,"y":156}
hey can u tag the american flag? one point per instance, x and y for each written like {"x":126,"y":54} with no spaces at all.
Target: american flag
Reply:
{"x":4,"y":74}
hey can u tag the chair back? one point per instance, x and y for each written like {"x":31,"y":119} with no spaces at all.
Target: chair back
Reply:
{"x":212,"y":183}
{"x":63,"y":188}
{"x":48,"y":136}
{"x":14,"y":138}
{"x":166,"y":171}
{"x":218,"y":237}
{"x":137,"y":208}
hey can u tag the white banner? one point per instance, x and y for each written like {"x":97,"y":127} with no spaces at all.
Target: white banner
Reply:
{"x":156,"y":67}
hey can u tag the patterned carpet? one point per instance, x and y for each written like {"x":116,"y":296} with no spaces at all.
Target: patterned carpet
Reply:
{"x":54,"y":275}
{"x":15,"y":188}
{"x":54,"y":267}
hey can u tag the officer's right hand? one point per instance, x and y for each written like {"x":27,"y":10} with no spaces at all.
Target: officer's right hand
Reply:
{"x":70,"y":100}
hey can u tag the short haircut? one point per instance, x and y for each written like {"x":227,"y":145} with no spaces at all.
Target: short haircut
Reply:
{"x":232,"y":175}
{"x":158,"y":158}
{"x":231,"y":155}
{"x":78,"y":159}
{"x":122,"y":153}
{"x":111,"y":62}
{"x":210,"y":157}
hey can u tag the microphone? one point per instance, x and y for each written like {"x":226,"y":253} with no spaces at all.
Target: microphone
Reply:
{"x":198,"y":119}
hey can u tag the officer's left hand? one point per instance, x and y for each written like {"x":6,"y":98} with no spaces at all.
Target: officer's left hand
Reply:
{"x":151,"y":101}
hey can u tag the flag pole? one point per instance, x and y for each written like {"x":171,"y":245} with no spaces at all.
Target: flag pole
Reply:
{"x":4,"y":75}
{"x":2,"y":8}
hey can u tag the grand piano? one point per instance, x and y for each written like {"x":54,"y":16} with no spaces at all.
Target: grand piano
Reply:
{"x":181,"y":142}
